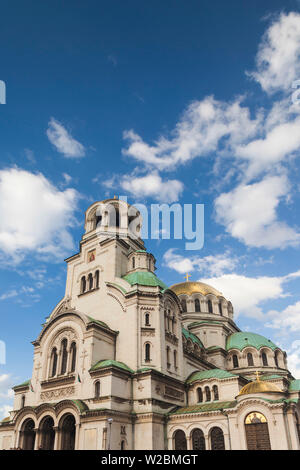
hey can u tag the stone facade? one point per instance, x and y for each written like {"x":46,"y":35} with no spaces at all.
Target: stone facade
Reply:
{"x":124,"y":362}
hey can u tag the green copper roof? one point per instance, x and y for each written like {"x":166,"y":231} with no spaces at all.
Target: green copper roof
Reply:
{"x":99,"y":322}
{"x":209,"y":374}
{"x":242,"y":339}
{"x":270,"y":377}
{"x":80,"y":405}
{"x":140,"y":251}
{"x":188,"y":335}
{"x":144,"y":278}
{"x":294,"y":385}
{"x":23,"y":384}
{"x":211,"y":406}
{"x":195,"y":323}
{"x":109,"y":363}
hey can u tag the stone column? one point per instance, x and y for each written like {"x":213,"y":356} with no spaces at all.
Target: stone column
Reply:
{"x":57,"y":438}
{"x":77,"y":426}
{"x":37,"y":438}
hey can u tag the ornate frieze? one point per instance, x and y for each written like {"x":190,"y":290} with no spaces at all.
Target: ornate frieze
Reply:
{"x":58,"y":393}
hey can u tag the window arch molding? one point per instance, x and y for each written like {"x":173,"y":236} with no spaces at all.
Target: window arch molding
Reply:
{"x":73,"y":335}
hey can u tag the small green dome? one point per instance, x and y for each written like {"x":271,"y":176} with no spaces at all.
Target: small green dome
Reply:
{"x":144,"y":278}
{"x":243,"y":339}
{"x":188,"y":335}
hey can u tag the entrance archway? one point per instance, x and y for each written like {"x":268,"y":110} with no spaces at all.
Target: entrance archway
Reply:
{"x":28,"y":434}
{"x":198,"y":439}
{"x":217,"y":439}
{"x":47,"y":434}
{"x":180,"y":440}
{"x":68,"y":432}
{"x":257,"y":432}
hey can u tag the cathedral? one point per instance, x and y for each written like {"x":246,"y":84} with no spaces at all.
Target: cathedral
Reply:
{"x":125,"y":361}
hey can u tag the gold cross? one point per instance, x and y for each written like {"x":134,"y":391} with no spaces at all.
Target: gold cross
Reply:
{"x":187,"y":276}
{"x":257,"y":375}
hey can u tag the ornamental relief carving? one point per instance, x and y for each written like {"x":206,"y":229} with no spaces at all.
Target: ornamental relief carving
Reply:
{"x":147,"y":333}
{"x":58,"y":393}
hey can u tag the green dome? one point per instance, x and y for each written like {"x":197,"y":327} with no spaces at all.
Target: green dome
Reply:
{"x":242,"y":339}
{"x":210,"y":374}
{"x":144,"y":278}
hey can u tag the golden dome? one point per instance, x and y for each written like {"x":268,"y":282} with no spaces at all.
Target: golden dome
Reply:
{"x":259,"y":386}
{"x":189,"y":288}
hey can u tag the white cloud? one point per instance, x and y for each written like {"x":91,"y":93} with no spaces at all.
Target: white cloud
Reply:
{"x":249,"y":213}
{"x":34,"y":215}
{"x":198,"y":133}
{"x":6,"y":395}
{"x":9,"y":294}
{"x":63,"y":141}
{"x":246,"y":293}
{"x":152,"y":185}
{"x":214,"y":265}
{"x":293,"y":356}
{"x":278,"y":57}
{"x":287,"y":319}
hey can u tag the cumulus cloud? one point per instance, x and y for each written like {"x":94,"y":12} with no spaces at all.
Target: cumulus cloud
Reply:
{"x":249,"y":213}
{"x":213,"y":265}
{"x":287,"y":319}
{"x":63,"y":141}
{"x":248,"y":293}
{"x":293,"y":355}
{"x":278,"y":57}
{"x":152,"y":185}
{"x":6,"y":395}
{"x":199,"y":132}
{"x":34,"y":215}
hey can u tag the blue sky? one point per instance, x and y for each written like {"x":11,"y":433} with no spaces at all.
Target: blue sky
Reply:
{"x":187,"y":102}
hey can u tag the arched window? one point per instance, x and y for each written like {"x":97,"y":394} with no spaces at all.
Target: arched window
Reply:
{"x":257,"y":432}
{"x":220,"y":308}
{"x":83,"y":285}
{"x":264,"y":359}
{"x":197,"y":305}
{"x":175,"y":359}
{"x":147,"y":352}
{"x":53,"y":363}
{"x":64,"y":356}
{"x":90,"y":281}
{"x":215,"y":392}
{"x":235,"y":360}
{"x":133,"y":262}
{"x":147,"y":319}
{"x":73,"y":357}
{"x":97,"y":389}
{"x":250,"y":359}
{"x":168,"y":357}
{"x":199,"y":395}
{"x":183,"y":305}
{"x":198,"y":439}
{"x":97,"y":279}
{"x":207,"y":394}
{"x":23,"y":401}
{"x":180,"y":440}
{"x":210,"y":306}
{"x":217,"y":439}
{"x":276,"y":358}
